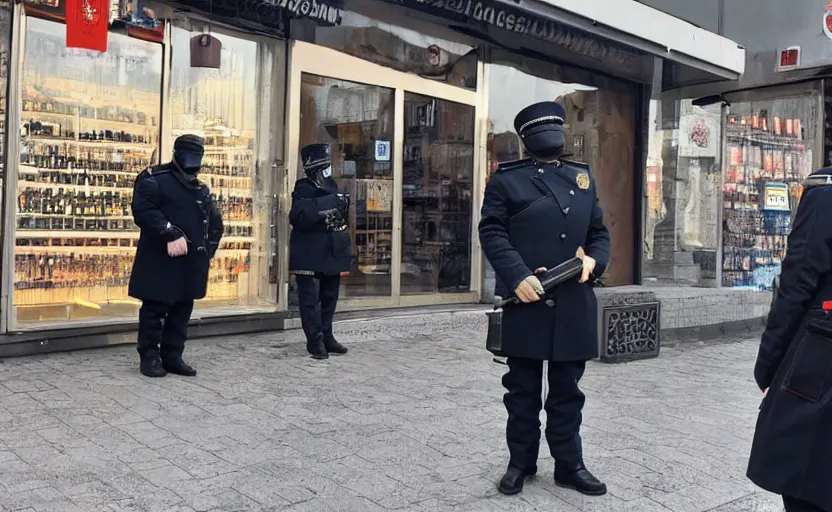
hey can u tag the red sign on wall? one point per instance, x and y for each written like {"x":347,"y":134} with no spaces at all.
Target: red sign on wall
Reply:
{"x":87,"y":22}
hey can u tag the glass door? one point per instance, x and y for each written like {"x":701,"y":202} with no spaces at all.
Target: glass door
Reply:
{"x":437,"y":184}
{"x":409,"y":164}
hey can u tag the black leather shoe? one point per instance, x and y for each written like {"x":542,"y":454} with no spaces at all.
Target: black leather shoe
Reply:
{"x":333,"y":347}
{"x":180,"y":367}
{"x":317,"y":348}
{"x":152,"y":367}
{"x":512,"y":482}
{"x":577,"y":477}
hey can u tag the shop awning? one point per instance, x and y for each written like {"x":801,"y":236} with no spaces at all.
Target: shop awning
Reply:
{"x":616,"y":37}
{"x":651,"y":31}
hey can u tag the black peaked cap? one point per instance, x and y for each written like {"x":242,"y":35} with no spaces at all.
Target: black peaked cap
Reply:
{"x":315,"y":155}
{"x":545,"y":112}
{"x":189,"y":142}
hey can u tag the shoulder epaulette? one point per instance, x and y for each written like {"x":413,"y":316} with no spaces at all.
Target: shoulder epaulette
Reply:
{"x":158,"y":169}
{"x":575,"y":163}
{"x":515,"y":164}
{"x":816,"y":180}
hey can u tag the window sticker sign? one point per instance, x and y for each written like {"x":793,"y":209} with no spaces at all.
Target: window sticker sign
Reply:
{"x":776,"y":197}
{"x":383,"y":150}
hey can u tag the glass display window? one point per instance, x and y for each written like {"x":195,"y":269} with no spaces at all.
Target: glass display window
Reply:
{"x":89,"y":122}
{"x":682,"y":193}
{"x":770,"y":149}
{"x":356,"y":120}
{"x":5,"y":43}
{"x":600,"y":130}
{"x":438,"y":174}
{"x":222,"y":106}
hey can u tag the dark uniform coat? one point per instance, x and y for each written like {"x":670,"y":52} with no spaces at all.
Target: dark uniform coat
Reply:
{"x":792,"y":449}
{"x":537,"y":215}
{"x":166,"y":196}
{"x":312,"y":248}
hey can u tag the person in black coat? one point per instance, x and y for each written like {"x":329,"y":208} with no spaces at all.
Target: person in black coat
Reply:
{"x":181,"y":228}
{"x":319,"y":248}
{"x":792,"y":450}
{"x":538,"y":213}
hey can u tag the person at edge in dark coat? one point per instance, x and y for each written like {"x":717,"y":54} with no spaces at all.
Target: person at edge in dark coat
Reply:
{"x":538,"y":213}
{"x":792,"y":450}
{"x":181,"y":228}
{"x":319,"y":248}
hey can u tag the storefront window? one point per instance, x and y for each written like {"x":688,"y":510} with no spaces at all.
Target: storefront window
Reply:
{"x":438,"y":171}
{"x":770,"y":150}
{"x":682,"y":194}
{"x":89,"y":124}
{"x":600,"y":128}
{"x":221,"y":105}
{"x":357,"y":121}
{"x":5,"y":39}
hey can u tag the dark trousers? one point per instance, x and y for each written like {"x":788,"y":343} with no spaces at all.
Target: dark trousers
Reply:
{"x":796,"y":505}
{"x":317,"y":300}
{"x":523,"y":401}
{"x":163,"y":329}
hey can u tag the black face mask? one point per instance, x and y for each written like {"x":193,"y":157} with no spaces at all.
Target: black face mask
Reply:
{"x":189,"y":160}
{"x":545,"y":142}
{"x":319,"y":174}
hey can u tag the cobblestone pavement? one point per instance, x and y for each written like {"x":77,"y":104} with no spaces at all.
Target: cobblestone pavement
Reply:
{"x":410,"y":420}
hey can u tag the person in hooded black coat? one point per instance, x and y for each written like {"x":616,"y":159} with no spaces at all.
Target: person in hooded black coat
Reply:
{"x":181,"y":228}
{"x":319,"y":249}
{"x":538,"y":213}
{"x":792,"y":450}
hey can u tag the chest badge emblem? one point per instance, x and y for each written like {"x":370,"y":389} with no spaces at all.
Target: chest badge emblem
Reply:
{"x":583,"y":180}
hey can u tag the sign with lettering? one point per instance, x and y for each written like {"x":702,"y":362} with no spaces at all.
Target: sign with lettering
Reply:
{"x":519,"y":21}
{"x":270,"y":16}
{"x":273,"y":15}
{"x":776,"y":197}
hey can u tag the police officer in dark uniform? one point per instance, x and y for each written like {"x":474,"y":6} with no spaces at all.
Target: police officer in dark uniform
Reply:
{"x":538,"y":213}
{"x":319,"y":248}
{"x":792,"y":450}
{"x":181,"y":227}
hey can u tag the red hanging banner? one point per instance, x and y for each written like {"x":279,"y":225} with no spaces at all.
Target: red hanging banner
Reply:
{"x":87,"y":24}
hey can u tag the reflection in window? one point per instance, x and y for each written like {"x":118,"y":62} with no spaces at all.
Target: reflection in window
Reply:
{"x":403,"y":48}
{"x":600,"y":130}
{"x":682,"y":193}
{"x":357,"y":121}
{"x":221,"y":106}
{"x":438,"y":172}
{"x":89,"y":124}
{"x":5,"y":38}
{"x":770,"y":150}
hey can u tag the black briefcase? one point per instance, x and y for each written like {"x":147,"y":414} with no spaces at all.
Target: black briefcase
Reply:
{"x":549,"y":279}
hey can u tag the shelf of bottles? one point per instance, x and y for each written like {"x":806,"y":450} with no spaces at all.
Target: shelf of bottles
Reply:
{"x":763,"y":151}
{"x":75,"y":234}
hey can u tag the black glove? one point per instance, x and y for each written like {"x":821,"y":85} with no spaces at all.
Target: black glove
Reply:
{"x":171,"y":233}
{"x":334,"y":220}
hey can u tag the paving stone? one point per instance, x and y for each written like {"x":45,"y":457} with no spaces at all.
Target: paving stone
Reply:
{"x":410,"y":420}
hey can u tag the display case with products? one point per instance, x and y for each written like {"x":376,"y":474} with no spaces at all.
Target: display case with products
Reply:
{"x":89,"y":124}
{"x":83,"y":140}
{"x":769,"y":151}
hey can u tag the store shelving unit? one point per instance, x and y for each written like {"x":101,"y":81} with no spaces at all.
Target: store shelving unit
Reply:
{"x":760,"y":151}
{"x":75,"y":238}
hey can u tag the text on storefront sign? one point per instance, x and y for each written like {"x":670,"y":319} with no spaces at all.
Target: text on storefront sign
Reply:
{"x":521,"y":22}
